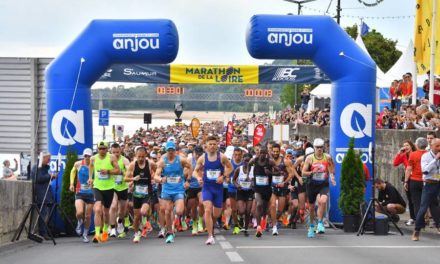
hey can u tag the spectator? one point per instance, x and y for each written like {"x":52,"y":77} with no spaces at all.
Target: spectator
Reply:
{"x":305,"y":98}
{"x":8,"y":173}
{"x":395,"y":95}
{"x":390,"y":200}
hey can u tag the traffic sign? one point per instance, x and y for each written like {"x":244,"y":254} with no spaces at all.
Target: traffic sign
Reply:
{"x":104,"y":116}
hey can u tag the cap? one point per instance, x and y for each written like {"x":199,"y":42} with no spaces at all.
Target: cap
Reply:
{"x":309,"y":151}
{"x":88,"y":152}
{"x":173,"y":139}
{"x":45,"y":153}
{"x":297,"y":153}
{"x":289,"y":152}
{"x":318,"y":142}
{"x":102,"y":143}
{"x":198,"y":149}
{"x":170,"y":145}
{"x":153,"y":155}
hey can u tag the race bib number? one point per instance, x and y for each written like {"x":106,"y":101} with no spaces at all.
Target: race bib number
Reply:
{"x":173,"y":180}
{"x":225,"y":184}
{"x":85,"y":187}
{"x":141,"y":190}
{"x":277,"y":179}
{"x":212,"y":174}
{"x":103,"y":176}
{"x":118,"y":179}
{"x":245,"y":184}
{"x":319,"y":176}
{"x":262,"y":180}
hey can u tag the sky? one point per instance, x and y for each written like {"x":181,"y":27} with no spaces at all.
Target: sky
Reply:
{"x":210,"y":32}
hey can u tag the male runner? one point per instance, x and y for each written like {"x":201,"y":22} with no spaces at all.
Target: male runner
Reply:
{"x":170,"y":174}
{"x":139,"y":172}
{"x":216,"y":169}
{"x":236,"y":161}
{"x":194,"y":194}
{"x":245,"y":195}
{"x":280,"y":182}
{"x":319,"y":167}
{"x":119,"y":204}
{"x":84,"y":193}
{"x":103,"y":165}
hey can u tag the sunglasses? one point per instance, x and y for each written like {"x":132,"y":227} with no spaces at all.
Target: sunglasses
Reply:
{"x":87,"y":156}
{"x":319,"y":147}
{"x":102,"y":148}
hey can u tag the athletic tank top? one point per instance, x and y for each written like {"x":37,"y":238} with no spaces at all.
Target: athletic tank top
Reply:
{"x":120,"y":184}
{"x":194,"y":183}
{"x":299,"y":171}
{"x":231,"y":186}
{"x":174,"y":176}
{"x":245,"y":184}
{"x":322,"y":166}
{"x":82,"y":187}
{"x":105,"y":181}
{"x":212,"y":170}
{"x":278,"y":179}
{"x":262,"y":181}
{"x":142,"y":187}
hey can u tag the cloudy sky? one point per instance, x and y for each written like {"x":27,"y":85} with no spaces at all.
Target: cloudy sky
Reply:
{"x":210,"y":32}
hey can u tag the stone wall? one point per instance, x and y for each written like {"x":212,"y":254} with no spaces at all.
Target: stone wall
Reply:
{"x":388,"y":143}
{"x":15,"y":198}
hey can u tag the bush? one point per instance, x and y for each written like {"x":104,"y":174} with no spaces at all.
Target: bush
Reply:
{"x":67,"y":202}
{"x":352,"y":182}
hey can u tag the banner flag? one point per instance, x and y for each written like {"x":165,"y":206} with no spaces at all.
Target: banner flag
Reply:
{"x":229,"y":133}
{"x":259,"y":133}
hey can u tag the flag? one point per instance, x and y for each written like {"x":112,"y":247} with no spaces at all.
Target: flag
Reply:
{"x":422,"y":36}
{"x":229,"y":133}
{"x":259,"y":133}
{"x":364,"y":29}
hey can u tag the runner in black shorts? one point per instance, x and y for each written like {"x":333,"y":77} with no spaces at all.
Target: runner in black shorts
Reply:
{"x":194,"y":195}
{"x":245,"y":195}
{"x":298,"y":191}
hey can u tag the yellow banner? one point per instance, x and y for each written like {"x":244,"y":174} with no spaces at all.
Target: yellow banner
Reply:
{"x":422,"y":38}
{"x":214,"y":74}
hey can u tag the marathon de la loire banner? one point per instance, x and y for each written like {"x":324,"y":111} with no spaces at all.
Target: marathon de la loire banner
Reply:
{"x":214,"y":74}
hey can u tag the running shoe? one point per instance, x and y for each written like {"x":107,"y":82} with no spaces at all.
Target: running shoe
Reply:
{"x":120,"y":228}
{"x":293,"y":225}
{"x":85,"y":239}
{"x":104,"y":236}
{"x":311,"y":232}
{"x":127,"y":223}
{"x":137,"y":237}
{"x":161,"y":233}
{"x":210,"y":241}
{"x":78,"y":228}
{"x":200,"y":226}
{"x":259,"y":232}
{"x":410,"y":222}
{"x":245,"y":233}
{"x":113,"y":232}
{"x":97,"y":239}
{"x":177,"y":225}
{"x":275,"y":231}
{"x":236,"y":230}
{"x":122,"y":235}
{"x":321,"y":228}
{"x":184,"y":225}
{"x":285,"y":220}
{"x":263,"y":223}
{"x":194,"y":230}
{"x":170,"y":239}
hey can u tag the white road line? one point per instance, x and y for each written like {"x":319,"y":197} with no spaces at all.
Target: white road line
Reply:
{"x":225,"y":245}
{"x":220,"y":238}
{"x":314,"y":247}
{"x":234,"y":256}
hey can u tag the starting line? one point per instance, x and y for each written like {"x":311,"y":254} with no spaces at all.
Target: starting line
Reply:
{"x":315,"y":247}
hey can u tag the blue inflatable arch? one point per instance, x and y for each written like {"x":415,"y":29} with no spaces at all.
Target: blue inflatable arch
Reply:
{"x":352,"y":71}
{"x":70,"y":76}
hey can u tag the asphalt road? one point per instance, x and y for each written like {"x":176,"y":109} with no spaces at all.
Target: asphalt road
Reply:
{"x":290,"y":246}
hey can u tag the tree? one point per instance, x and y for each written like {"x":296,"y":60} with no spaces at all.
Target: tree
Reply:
{"x":382,"y":50}
{"x":67,"y":197}
{"x":352,"y":182}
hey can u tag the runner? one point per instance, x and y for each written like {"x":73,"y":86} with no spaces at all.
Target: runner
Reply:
{"x":139,"y":173}
{"x":236,"y":161}
{"x":245,"y":195}
{"x":319,"y":168}
{"x":297,"y":191}
{"x":194,"y":194}
{"x":84,"y":194}
{"x":262,"y":186}
{"x":170,"y":167}
{"x":216,"y":169}
{"x":103,"y":165}
{"x":119,"y":204}
{"x":281,"y":177}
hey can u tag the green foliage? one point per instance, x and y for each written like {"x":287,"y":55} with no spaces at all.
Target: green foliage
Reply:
{"x":67,"y":197}
{"x":290,"y":97}
{"x":352,"y":182}
{"x":382,"y":50}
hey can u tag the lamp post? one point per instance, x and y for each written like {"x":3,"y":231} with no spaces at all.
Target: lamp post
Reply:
{"x":300,"y":3}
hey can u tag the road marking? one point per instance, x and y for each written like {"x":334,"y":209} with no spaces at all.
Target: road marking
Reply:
{"x":225,"y":245}
{"x":234,"y":256}
{"x":220,"y":238}
{"x":313,"y":247}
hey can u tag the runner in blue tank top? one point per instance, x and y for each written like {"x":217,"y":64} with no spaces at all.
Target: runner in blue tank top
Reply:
{"x":236,"y":161}
{"x":216,"y":168}
{"x":170,"y":174}
{"x":194,"y":195}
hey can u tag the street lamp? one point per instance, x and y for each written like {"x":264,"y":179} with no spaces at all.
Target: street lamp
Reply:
{"x":300,"y":3}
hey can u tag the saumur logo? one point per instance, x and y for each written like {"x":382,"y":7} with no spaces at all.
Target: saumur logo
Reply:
{"x":135,"y":41}
{"x":351,"y":120}
{"x":289,"y":36}
{"x":60,"y":131}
